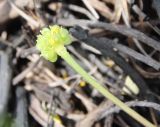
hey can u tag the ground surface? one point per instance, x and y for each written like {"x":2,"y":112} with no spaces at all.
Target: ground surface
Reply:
{"x":116,"y":41}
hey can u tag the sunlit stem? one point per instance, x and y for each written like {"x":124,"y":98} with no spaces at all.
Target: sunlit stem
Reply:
{"x":61,"y":51}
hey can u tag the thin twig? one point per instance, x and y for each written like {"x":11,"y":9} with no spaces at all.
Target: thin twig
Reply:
{"x":81,"y":10}
{"x":24,"y":15}
{"x":116,"y":109}
{"x":130,"y":32}
{"x":88,"y":5}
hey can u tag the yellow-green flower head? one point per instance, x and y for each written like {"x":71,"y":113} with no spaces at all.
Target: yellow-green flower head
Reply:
{"x":51,"y":38}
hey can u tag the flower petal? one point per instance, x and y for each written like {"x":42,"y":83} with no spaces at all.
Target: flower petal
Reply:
{"x":51,"y":38}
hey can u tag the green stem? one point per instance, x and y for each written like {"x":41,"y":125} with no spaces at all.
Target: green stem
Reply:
{"x":67,"y":57}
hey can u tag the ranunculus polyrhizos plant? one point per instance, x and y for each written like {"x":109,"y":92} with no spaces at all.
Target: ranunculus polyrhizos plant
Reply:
{"x":51,"y":43}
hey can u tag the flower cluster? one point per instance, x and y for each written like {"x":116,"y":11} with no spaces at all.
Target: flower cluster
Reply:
{"x":51,"y":38}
